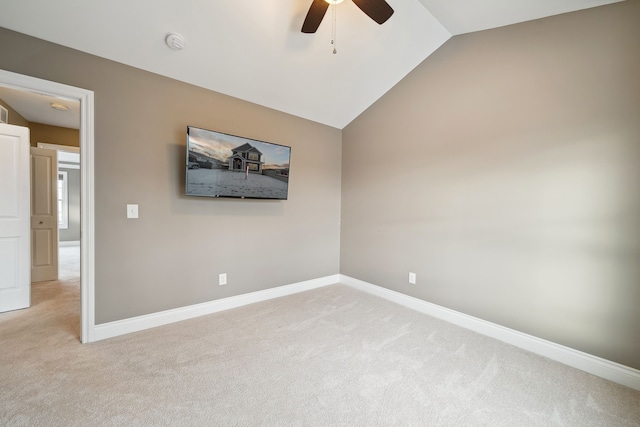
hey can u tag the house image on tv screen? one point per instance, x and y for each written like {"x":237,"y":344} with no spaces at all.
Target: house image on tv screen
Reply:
{"x":246,"y":157}
{"x":223,"y":165}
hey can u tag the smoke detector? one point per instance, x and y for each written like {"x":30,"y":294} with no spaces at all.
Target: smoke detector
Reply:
{"x":174,"y":41}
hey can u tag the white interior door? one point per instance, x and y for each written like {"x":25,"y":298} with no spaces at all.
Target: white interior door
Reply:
{"x":44,"y":214}
{"x":15,"y":278}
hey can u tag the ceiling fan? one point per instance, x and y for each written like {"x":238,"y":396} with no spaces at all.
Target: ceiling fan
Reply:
{"x":378,"y":10}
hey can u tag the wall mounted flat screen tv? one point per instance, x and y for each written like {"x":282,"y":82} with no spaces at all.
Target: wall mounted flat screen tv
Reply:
{"x":222,"y":165}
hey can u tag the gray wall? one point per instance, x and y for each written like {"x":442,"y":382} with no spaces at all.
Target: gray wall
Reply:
{"x":172,"y":255}
{"x":72,"y":234}
{"x":504,"y":171}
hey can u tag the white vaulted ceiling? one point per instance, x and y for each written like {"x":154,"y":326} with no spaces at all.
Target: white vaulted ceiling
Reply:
{"x":254,"y":50}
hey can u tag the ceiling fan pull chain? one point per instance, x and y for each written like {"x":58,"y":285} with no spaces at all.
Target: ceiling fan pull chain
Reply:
{"x":333,"y":27}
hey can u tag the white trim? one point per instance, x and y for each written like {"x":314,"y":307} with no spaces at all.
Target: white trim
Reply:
{"x":58,"y":147}
{"x":64,"y":215}
{"x":67,"y":243}
{"x":139,"y":323}
{"x":87,"y":224}
{"x":4,"y":115}
{"x":87,"y":217}
{"x":603,"y":368}
{"x":63,"y":165}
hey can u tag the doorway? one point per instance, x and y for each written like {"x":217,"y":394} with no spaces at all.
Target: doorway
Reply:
{"x":68,"y":200}
{"x":86,"y":135}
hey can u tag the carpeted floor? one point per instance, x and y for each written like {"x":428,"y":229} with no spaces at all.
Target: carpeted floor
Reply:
{"x":333,"y":356}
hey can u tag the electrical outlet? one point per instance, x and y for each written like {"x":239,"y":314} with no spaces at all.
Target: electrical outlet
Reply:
{"x":222,"y":279}
{"x":412,"y":278}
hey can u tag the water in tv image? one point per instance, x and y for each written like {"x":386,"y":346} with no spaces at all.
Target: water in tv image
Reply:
{"x":222,"y":165}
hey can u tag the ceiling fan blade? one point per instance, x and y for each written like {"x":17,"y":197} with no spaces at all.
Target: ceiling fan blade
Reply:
{"x":314,"y":16}
{"x":378,"y":10}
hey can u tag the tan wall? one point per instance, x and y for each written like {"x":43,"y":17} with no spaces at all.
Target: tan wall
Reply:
{"x":53,"y":135}
{"x":504,"y":171}
{"x":172,"y":255}
{"x":14,"y":117}
{"x":44,"y":133}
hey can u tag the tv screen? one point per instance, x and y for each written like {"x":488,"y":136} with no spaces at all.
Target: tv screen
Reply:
{"x":222,"y":165}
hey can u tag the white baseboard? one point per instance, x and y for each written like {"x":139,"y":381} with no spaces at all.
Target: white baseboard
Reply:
{"x":603,"y":368}
{"x":69,"y":243}
{"x":139,"y":323}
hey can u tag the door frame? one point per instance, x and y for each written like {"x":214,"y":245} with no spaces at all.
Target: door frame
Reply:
{"x":87,"y":184}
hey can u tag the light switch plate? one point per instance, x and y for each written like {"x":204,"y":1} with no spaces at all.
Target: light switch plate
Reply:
{"x":132,"y":211}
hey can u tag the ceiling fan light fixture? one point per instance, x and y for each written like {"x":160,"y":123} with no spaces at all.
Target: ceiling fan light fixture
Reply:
{"x":59,"y":107}
{"x":378,"y":10}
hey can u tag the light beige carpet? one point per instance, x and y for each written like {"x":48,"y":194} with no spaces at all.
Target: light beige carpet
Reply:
{"x":329,"y":357}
